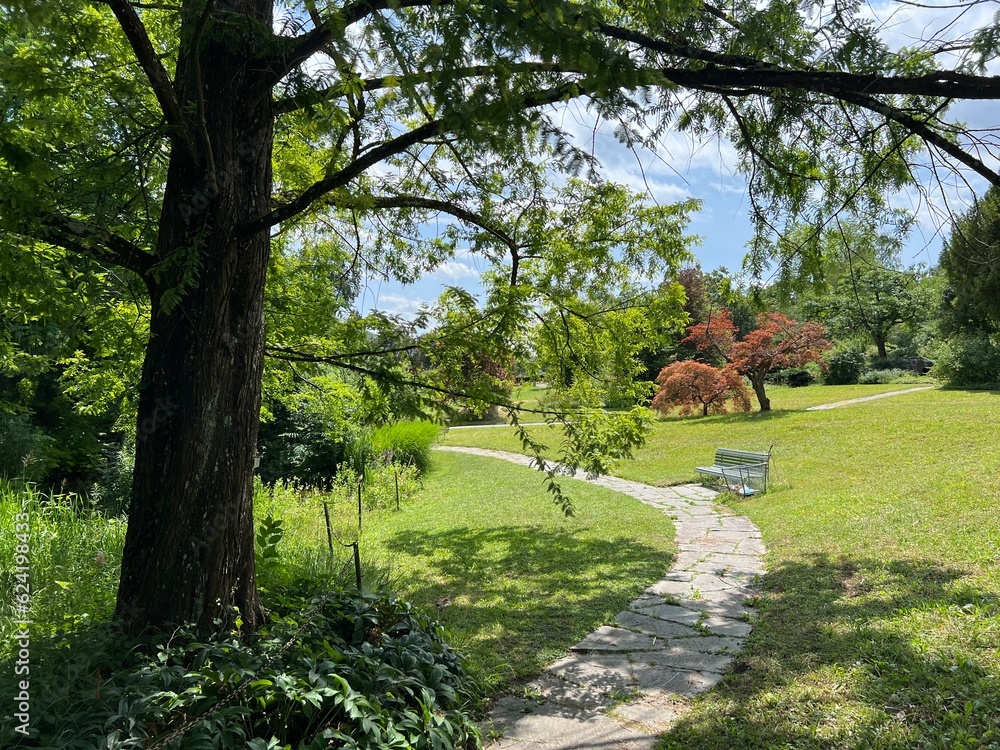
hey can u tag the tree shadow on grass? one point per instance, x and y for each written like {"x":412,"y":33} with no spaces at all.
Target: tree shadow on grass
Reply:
{"x":515,"y":597}
{"x":990,"y":388}
{"x":734,"y":417}
{"x":859,"y":653}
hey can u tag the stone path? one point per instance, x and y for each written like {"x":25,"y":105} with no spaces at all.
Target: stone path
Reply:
{"x":625,"y":684}
{"x":834,"y":405}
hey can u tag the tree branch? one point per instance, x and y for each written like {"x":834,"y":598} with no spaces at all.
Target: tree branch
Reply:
{"x":317,"y":96}
{"x":319,"y":189}
{"x":86,"y":239}
{"x":315,"y":192}
{"x":303,"y":47}
{"x":432,"y":204}
{"x":157,"y":75}
{"x":921,"y":129}
{"x":291,"y":355}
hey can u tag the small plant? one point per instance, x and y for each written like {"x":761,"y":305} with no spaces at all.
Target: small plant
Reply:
{"x":269,"y":535}
{"x":621,"y":697}
{"x":114,"y":490}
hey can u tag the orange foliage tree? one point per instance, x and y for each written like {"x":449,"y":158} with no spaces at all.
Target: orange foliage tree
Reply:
{"x":777,"y":343}
{"x":689,"y":384}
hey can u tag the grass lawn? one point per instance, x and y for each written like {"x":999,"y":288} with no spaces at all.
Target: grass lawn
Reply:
{"x":513,"y":580}
{"x":782,"y":399}
{"x":880,"y":616}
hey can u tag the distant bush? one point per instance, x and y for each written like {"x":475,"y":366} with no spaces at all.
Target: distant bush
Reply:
{"x":793,"y":377}
{"x":846,"y":365}
{"x":872,"y":377}
{"x":348,"y":671}
{"x":968,"y":359}
{"x":113,"y":490}
{"x":24,"y":449}
{"x":406,"y":443}
{"x":295,"y":447}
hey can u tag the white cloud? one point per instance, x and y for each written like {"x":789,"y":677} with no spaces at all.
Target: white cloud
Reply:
{"x":453,"y":270}
{"x":405,"y":306}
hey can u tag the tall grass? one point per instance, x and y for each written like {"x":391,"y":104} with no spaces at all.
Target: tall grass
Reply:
{"x":407,"y":443}
{"x":75,"y":560}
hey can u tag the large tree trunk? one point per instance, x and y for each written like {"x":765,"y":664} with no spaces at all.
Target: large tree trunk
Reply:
{"x":880,"y":346}
{"x":189,"y":552}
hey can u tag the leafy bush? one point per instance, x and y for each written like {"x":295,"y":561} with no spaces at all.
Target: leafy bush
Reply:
{"x":295,"y":447}
{"x":24,"y":448}
{"x":968,"y":359}
{"x":689,"y":385}
{"x":113,"y":491}
{"x":406,"y":443}
{"x":793,"y":377}
{"x":845,"y":365}
{"x":344,"y":670}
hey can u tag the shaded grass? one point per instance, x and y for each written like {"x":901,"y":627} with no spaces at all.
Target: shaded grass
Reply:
{"x":514,"y":581}
{"x":860,"y":652}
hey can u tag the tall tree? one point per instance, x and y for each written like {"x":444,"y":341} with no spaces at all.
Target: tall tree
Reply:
{"x":173,"y":139}
{"x":971,"y":262}
{"x":876,"y":300}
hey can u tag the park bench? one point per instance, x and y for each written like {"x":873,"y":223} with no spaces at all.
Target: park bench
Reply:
{"x":743,"y":471}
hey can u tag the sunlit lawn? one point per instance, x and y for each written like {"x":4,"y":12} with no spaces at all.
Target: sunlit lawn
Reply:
{"x":880,"y":616}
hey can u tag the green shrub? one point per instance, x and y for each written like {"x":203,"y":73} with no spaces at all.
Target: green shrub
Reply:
{"x":873,"y":377}
{"x":793,"y":377}
{"x":345,"y":671}
{"x":296,"y":448}
{"x":24,"y":449}
{"x":845,"y":365}
{"x":889,"y":363}
{"x":968,"y":359}
{"x":113,"y":491}
{"x":407,"y":443}
{"x":359,"y":452}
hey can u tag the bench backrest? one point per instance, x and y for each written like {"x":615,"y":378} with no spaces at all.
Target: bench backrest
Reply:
{"x":731,"y":457}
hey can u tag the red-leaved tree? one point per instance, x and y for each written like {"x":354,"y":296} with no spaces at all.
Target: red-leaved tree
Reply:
{"x":689,"y":384}
{"x":777,"y":343}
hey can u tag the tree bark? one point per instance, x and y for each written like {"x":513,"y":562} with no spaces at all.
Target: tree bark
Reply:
{"x":189,"y":547}
{"x":880,"y":346}
{"x":757,"y":381}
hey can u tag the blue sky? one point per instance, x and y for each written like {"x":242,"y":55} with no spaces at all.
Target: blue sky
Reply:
{"x":681,"y":168}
